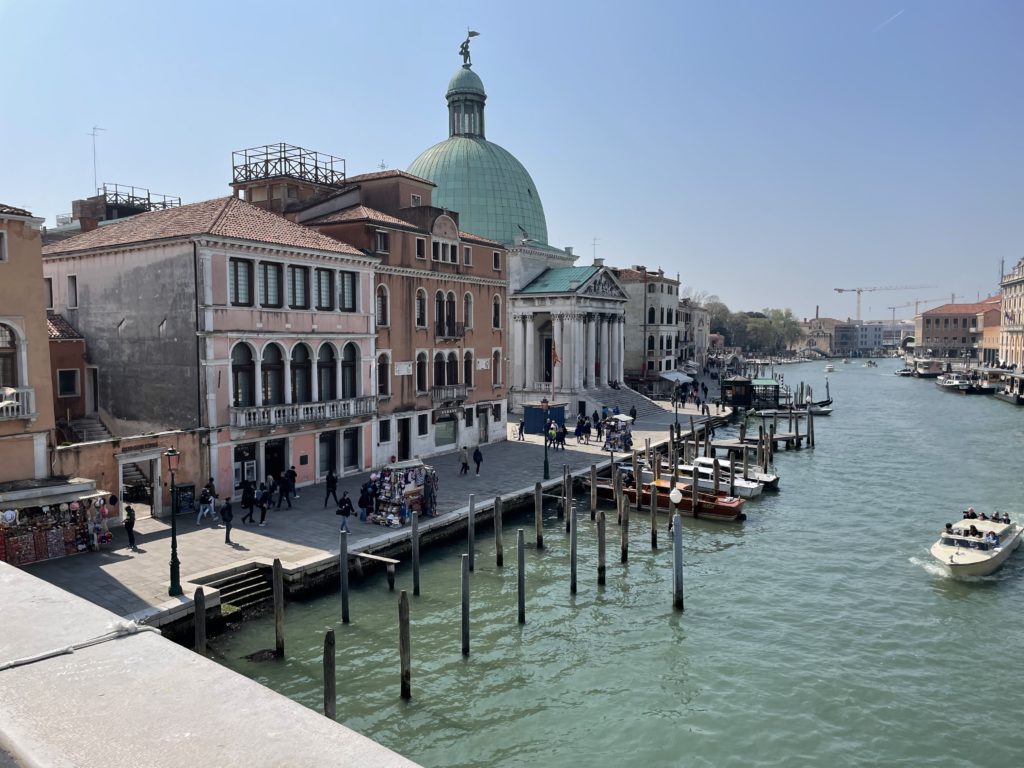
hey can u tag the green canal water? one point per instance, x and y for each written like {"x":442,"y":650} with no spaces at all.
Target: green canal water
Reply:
{"x":816,"y":634}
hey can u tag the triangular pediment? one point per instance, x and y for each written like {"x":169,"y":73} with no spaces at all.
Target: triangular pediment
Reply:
{"x":603,"y":284}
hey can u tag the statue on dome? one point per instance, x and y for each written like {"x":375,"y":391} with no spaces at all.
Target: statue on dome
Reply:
{"x":464,"y":48}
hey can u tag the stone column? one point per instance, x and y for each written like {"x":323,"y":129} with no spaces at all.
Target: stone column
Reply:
{"x":516,"y":353}
{"x":258,"y":381}
{"x":605,"y":328}
{"x":337,"y":380}
{"x":622,"y":347}
{"x":529,"y":376}
{"x":572,"y":352}
{"x":287,"y":377}
{"x":556,"y":339}
{"x":591,"y":332}
{"x":613,"y":347}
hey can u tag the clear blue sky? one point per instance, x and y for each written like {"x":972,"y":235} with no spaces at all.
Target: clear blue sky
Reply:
{"x":766,"y":151}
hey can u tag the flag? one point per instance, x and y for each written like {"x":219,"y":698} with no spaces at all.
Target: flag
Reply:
{"x":555,"y":359}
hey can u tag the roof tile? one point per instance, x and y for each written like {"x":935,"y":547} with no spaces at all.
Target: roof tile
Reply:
{"x":60,"y":329}
{"x":12,"y":211}
{"x":559,"y":280}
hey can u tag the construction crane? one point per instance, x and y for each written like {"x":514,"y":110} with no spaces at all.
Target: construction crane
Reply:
{"x":859,"y":291}
{"x":916,"y":304}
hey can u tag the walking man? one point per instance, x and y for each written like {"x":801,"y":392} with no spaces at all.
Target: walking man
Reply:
{"x":293,"y":476}
{"x":632,"y":412}
{"x":248,"y":501}
{"x":226,"y":515}
{"x":345,"y":510}
{"x":478,"y":458}
{"x":522,"y":428}
{"x":364,"y":501}
{"x":129,"y":526}
{"x":332,"y":487}
{"x":263,"y":499}
{"x":205,"y":504}
{"x":284,"y":485}
{"x":464,"y":458}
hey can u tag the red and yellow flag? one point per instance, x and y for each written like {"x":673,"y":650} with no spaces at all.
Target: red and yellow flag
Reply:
{"x":555,"y":359}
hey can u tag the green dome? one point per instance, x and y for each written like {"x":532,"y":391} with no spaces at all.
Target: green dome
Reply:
{"x":465,"y":79}
{"x":491,"y":190}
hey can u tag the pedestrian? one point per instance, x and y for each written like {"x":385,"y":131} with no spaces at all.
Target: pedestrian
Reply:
{"x":632,"y":412}
{"x":332,"y":487}
{"x":478,"y":459}
{"x":364,"y":501}
{"x":226,"y":515}
{"x":284,"y":490}
{"x":205,"y":505}
{"x":248,"y":501}
{"x":129,"y":526}
{"x":522,"y":428}
{"x":263,"y":499}
{"x":293,"y":476}
{"x":345,"y":510}
{"x":595,"y":418}
{"x":464,"y":459}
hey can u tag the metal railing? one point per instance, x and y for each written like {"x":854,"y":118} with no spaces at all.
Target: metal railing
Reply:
{"x":17,"y":402}
{"x":449,"y":330}
{"x":449,"y":393}
{"x":301,"y":413}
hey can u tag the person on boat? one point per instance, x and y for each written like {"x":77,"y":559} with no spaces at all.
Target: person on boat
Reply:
{"x":983,"y":516}
{"x":992,"y":539}
{"x":971,"y":514}
{"x":949,"y":528}
{"x":1006,"y":518}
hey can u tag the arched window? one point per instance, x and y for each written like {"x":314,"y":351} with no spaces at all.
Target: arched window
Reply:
{"x":9,"y":369}
{"x":383,"y":309}
{"x":439,"y":313}
{"x":327,"y":372}
{"x":302,"y":378}
{"x":467,"y":369}
{"x":496,"y":312}
{"x":650,"y":343}
{"x":662,"y":314}
{"x":670,"y":317}
{"x":467,"y":310}
{"x":421,"y":308}
{"x":650,"y":315}
{"x":452,"y":374}
{"x":273,"y":375}
{"x":349,"y":371}
{"x":243,"y":372}
{"x":661,"y":342}
{"x":438,"y":370}
{"x":421,"y":372}
{"x":383,"y":376}
{"x":496,"y":368}
{"x":449,"y":311}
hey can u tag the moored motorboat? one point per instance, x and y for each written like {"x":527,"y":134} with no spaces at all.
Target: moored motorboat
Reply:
{"x":904,"y":372}
{"x":723,"y":508}
{"x":769,"y":480}
{"x":746,"y":489}
{"x":976,"y":547}
{"x":953,"y":382}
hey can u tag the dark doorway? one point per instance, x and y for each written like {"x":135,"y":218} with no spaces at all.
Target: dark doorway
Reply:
{"x":482,"y":423}
{"x":328,"y":452}
{"x":274,"y":457}
{"x":92,"y":403}
{"x":350,"y":447}
{"x":547,"y":358}
{"x":404,"y":442}
{"x":582,"y":407}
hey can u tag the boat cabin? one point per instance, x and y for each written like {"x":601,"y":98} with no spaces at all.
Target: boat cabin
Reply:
{"x":971,"y":533}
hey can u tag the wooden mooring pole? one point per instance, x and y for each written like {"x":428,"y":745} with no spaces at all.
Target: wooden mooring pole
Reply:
{"x":566,"y":493}
{"x":465,"y":605}
{"x":499,"y":544}
{"x":572,"y":547}
{"x":404,"y":646}
{"x":593,"y":491}
{"x":521,"y":575}
{"x":330,"y":678}
{"x":538,"y":513}
{"x":601,"y":562}
{"x":624,"y":530}
{"x":677,"y":562}
{"x":415,"y":552}
{"x":471,"y":534}
{"x":278,"y":578}
{"x":654,"y":516}
{"x":343,"y":574}
{"x":199,"y":613}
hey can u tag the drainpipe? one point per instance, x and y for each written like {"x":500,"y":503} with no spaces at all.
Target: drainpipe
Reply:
{"x":199,"y":367}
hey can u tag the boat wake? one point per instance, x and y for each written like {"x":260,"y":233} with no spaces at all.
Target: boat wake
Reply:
{"x":931,"y":567}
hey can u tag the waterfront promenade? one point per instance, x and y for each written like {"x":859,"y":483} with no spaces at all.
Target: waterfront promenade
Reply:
{"x":135,"y":583}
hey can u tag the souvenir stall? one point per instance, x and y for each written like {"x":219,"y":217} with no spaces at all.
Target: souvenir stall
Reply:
{"x":618,"y":433}
{"x":49,"y":529}
{"x":399,"y":489}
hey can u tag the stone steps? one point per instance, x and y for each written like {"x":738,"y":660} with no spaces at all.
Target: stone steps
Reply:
{"x":244,"y":590}
{"x":88,"y":429}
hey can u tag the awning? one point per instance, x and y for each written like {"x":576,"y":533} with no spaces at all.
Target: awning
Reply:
{"x":676,"y":376}
{"x":53,"y":499}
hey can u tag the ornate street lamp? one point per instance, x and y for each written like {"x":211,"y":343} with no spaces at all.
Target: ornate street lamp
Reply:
{"x":544,"y":404}
{"x":173,"y":457}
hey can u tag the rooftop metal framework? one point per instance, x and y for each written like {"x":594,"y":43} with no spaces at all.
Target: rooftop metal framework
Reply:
{"x":287,"y":160}
{"x":125,"y":196}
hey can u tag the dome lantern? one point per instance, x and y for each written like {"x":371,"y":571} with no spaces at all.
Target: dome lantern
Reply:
{"x":466,"y":99}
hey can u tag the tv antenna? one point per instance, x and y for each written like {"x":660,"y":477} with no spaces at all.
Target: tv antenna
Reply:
{"x":95,"y":128}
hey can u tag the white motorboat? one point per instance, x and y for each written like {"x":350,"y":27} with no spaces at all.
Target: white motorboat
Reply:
{"x":954,"y":382}
{"x":830,"y":368}
{"x":800,"y":413}
{"x":745,"y":489}
{"x":768,"y":479}
{"x":975,"y":547}
{"x":926,"y":368}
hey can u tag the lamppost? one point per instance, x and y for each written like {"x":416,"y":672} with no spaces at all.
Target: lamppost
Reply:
{"x":544,"y":404}
{"x":173,"y":457}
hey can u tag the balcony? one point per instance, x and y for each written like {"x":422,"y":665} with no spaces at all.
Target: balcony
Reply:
{"x":302,"y":413}
{"x":448,"y":393}
{"x":17,"y":403}
{"x":452,"y":330}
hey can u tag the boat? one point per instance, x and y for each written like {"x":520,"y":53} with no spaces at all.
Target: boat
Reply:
{"x":927,"y":368}
{"x":870,"y":364}
{"x":745,"y":489}
{"x":799,"y":412}
{"x":954,"y":382}
{"x":904,"y":372}
{"x":769,"y":480}
{"x":976,"y":547}
{"x":723,"y":508}
{"x":830,"y":368}
{"x":845,"y":361}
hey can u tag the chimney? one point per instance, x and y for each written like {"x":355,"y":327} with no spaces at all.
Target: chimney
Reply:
{"x":598,"y":261}
{"x":816,"y":311}
{"x":568,"y":250}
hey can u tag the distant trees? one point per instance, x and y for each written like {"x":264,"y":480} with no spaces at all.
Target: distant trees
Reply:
{"x":769,"y":331}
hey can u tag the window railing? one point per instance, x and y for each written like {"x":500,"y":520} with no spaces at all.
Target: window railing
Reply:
{"x":449,"y":330}
{"x":302,"y":413}
{"x":448,"y":393}
{"x":17,"y":402}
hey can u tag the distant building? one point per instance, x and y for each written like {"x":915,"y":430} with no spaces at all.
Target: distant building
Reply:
{"x":951,"y":330}
{"x":74,"y":391}
{"x":694,"y":330}
{"x":651,"y":326}
{"x":1011,"y":337}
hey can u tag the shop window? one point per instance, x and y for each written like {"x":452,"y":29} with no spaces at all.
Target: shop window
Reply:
{"x":469,"y":417}
{"x":497,"y":412}
{"x":384,"y":431}
{"x":422,"y":424}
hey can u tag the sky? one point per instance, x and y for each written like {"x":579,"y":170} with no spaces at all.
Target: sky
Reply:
{"x":767,"y":152}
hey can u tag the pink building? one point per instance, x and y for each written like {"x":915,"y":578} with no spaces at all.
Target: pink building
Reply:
{"x":226,"y":318}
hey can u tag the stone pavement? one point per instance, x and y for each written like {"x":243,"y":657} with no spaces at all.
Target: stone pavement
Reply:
{"x":127,"y":582}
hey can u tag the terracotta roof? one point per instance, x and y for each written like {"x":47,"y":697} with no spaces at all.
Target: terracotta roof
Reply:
{"x":223,"y":216}
{"x":389,"y":174}
{"x":626,"y":275}
{"x":12,"y":211}
{"x":964,"y":309}
{"x":362,"y":213}
{"x":479,"y":239}
{"x":60,"y":329}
